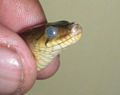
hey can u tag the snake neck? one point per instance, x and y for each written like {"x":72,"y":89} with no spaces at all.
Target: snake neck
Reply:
{"x":44,"y":56}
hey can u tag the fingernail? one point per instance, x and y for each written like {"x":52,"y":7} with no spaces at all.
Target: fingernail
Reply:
{"x":11,"y":74}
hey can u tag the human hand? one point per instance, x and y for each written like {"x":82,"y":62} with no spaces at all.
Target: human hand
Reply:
{"x":17,"y":65}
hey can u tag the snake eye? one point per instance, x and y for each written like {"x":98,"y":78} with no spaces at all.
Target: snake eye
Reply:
{"x":51,"y":31}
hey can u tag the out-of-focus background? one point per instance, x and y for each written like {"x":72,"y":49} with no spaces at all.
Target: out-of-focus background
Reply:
{"x":92,"y":66}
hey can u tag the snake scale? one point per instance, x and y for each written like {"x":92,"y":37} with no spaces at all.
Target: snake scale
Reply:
{"x":46,"y":43}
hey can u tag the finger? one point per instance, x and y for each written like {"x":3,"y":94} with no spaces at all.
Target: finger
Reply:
{"x":18,"y":15}
{"x":17,"y":68}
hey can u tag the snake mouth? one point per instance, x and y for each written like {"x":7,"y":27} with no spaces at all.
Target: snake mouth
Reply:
{"x":74,"y":36}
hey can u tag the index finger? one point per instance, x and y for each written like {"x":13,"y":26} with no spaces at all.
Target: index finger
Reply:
{"x":18,"y":15}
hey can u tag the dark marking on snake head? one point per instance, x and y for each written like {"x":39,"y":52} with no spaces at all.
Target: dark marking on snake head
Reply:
{"x":62,"y":23}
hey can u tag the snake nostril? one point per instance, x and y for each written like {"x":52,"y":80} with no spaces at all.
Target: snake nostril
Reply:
{"x":75,"y":28}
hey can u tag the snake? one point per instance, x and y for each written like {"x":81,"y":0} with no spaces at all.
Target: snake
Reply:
{"x":47,"y":43}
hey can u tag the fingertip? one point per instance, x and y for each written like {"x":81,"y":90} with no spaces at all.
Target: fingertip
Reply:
{"x":21,"y":63}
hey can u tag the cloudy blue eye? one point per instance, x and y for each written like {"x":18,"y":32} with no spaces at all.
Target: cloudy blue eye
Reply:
{"x":51,"y":31}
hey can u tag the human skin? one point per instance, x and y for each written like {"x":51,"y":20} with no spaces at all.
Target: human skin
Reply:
{"x":17,"y":65}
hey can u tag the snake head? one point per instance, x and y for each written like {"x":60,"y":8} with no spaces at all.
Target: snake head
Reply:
{"x":62,"y":34}
{"x":46,"y":43}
